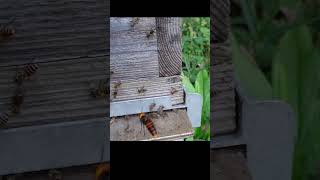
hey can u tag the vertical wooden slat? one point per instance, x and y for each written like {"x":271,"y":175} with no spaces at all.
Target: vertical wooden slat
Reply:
{"x":220,"y":11}
{"x":223,"y":111}
{"x":169,"y":46}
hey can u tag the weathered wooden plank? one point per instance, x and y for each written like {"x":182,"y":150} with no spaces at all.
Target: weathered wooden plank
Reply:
{"x":133,"y":54}
{"x":169,"y":45}
{"x":133,"y":24}
{"x":223,"y":112}
{"x":69,"y":173}
{"x":228,"y":164}
{"x":59,"y":91}
{"x":130,"y":129}
{"x":155,"y":87}
{"x":51,"y":31}
{"x":220,"y":12}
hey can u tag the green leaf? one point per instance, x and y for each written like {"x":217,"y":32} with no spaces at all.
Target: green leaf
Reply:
{"x":187,"y":84}
{"x":294,"y":73}
{"x":249,"y":14}
{"x":202,"y":86}
{"x":250,"y":76}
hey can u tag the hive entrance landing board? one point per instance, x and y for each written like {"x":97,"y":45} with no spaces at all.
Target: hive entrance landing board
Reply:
{"x":169,"y":125}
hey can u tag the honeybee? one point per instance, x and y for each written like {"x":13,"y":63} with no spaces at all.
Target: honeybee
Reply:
{"x":117,"y":84}
{"x":149,"y":124}
{"x":17,"y":100}
{"x":160,"y":110}
{"x":135,"y":21}
{"x":4,"y":117}
{"x":151,"y":33}
{"x":152,"y":106}
{"x":101,"y":91}
{"x":27,"y":72}
{"x":115,"y":93}
{"x":173,"y":90}
{"x":141,"y":90}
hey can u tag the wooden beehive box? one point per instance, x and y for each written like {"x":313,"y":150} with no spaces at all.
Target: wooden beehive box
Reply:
{"x":223,"y":111}
{"x":145,"y":68}
{"x":68,"y":41}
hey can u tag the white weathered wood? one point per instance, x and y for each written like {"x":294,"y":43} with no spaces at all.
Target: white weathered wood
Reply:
{"x":133,"y":54}
{"x":155,"y":87}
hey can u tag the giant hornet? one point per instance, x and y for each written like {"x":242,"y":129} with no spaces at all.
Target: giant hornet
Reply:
{"x":149,"y":124}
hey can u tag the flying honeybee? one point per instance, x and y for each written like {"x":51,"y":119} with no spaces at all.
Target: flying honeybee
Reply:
{"x":149,"y":124}
{"x":4,"y":117}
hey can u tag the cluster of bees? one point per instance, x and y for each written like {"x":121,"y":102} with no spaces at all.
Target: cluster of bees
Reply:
{"x":18,"y":97}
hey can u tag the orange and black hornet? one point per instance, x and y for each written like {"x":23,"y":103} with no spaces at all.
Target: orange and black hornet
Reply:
{"x":149,"y":124}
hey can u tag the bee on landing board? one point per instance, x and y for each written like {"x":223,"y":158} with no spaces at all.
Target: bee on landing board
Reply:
{"x":149,"y":124}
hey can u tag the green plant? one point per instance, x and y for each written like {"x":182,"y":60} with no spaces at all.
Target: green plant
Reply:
{"x":281,"y":56}
{"x":196,"y":65}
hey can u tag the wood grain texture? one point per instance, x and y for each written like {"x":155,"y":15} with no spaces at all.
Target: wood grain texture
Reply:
{"x":69,"y":173}
{"x":134,"y":58}
{"x":223,"y":111}
{"x":133,"y":54}
{"x":169,"y":45}
{"x":228,"y":165}
{"x":130,"y":129}
{"x":59,"y":91}
{"x":53,"y":30}
{"x":155,"y":87}
{"x":220,"y":12}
